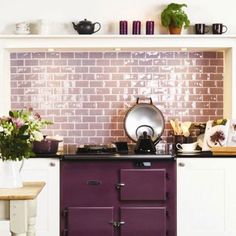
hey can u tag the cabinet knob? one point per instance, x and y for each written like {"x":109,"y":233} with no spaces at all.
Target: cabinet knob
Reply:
{"x":52,"y":164}
{"x":181,"y":164}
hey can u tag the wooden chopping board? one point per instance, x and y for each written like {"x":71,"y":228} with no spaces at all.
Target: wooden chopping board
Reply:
{"x":230,"y":151}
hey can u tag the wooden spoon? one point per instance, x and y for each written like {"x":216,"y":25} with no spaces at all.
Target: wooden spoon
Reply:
{"x":177,"y":126}
{"x":173,"y":126}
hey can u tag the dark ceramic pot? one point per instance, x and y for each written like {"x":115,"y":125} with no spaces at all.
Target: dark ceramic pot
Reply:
{"x":46,"y":146}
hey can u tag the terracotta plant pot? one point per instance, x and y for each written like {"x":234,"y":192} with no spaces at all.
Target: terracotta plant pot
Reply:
{"x":174,"y":30}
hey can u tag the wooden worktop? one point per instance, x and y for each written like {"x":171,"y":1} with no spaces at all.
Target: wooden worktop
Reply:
{"x":29,"y":191}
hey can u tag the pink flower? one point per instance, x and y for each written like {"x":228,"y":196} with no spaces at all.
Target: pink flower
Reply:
{"x":37,"y":116}
{"x":18,"y":122}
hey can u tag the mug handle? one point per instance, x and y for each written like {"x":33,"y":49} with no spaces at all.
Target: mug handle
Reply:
{"x":225,"y":29}
{"x":207,"y":29}
{"x":99,"y":27}
{"x":179,"y":146}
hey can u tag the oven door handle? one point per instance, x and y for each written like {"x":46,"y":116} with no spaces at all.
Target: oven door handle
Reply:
{"x":119,"y":185}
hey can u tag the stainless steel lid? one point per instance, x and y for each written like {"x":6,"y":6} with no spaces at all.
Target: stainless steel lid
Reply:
{"x":144,"y":117}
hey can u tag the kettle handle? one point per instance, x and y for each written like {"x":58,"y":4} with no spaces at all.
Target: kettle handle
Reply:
{"x":99,"y":27}
{"x":136,"y":132}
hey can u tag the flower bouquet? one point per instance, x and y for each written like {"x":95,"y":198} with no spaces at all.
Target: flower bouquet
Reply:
{"x":17,"y":133}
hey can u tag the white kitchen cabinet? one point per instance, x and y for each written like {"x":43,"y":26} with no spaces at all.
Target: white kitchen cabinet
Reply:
{"x":206,"y":196}
{"x":47,"y":170}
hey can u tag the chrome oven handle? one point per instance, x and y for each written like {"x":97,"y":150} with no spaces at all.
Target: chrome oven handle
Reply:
{"x":119,"y":185}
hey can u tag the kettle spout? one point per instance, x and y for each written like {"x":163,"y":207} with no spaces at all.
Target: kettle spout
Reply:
{"x":74,"y":25}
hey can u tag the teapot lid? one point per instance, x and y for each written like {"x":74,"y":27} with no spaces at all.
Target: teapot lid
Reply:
{"x":85,"y":21}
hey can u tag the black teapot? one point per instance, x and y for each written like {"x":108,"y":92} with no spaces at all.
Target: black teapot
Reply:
{"x":86,"y":27}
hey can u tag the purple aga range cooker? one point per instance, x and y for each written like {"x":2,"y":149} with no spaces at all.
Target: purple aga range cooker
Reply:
{"x":113,"y":195}
{"x":104,"y":193}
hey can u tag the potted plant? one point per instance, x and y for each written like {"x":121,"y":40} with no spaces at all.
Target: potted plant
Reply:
{"x":175,"y":18}
{"x":18,"y":131}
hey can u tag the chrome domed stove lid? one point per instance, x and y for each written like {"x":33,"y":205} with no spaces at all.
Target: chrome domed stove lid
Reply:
{"x":144,"y":124}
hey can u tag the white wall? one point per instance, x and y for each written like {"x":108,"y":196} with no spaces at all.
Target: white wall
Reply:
{"x":108,"y":12}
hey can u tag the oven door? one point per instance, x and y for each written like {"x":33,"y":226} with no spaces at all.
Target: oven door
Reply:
{"x":90,"y":221}
{"x":143,"y":221}
{"x":143,"y":184}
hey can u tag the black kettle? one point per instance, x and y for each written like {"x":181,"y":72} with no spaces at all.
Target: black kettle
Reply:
{"x":145,"y":145}
{"x":86,"y":27}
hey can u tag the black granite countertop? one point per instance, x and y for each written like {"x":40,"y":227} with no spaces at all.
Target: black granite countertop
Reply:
{"x":48,"y":156}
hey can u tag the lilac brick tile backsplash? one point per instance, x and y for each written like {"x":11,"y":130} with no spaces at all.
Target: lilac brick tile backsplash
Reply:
{"x":86,"y":94}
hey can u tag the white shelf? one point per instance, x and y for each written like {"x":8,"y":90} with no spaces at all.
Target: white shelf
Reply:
{"x":100,"y":42}
{"x":117,"y":36}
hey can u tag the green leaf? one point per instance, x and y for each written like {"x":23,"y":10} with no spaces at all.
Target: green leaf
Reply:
{"x":11,"y":114}
{"x":23,"y":128}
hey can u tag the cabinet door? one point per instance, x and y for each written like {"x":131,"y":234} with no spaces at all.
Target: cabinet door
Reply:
{"x":143,"y":184}
{"x":90,"y":221}
{"x":143,"y":221}
{"x":206,"y":196}
{"x":93,"y":183}
{"x":47,"y":170}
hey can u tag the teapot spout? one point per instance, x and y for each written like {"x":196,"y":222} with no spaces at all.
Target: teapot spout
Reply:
{"x":74,"y":25}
